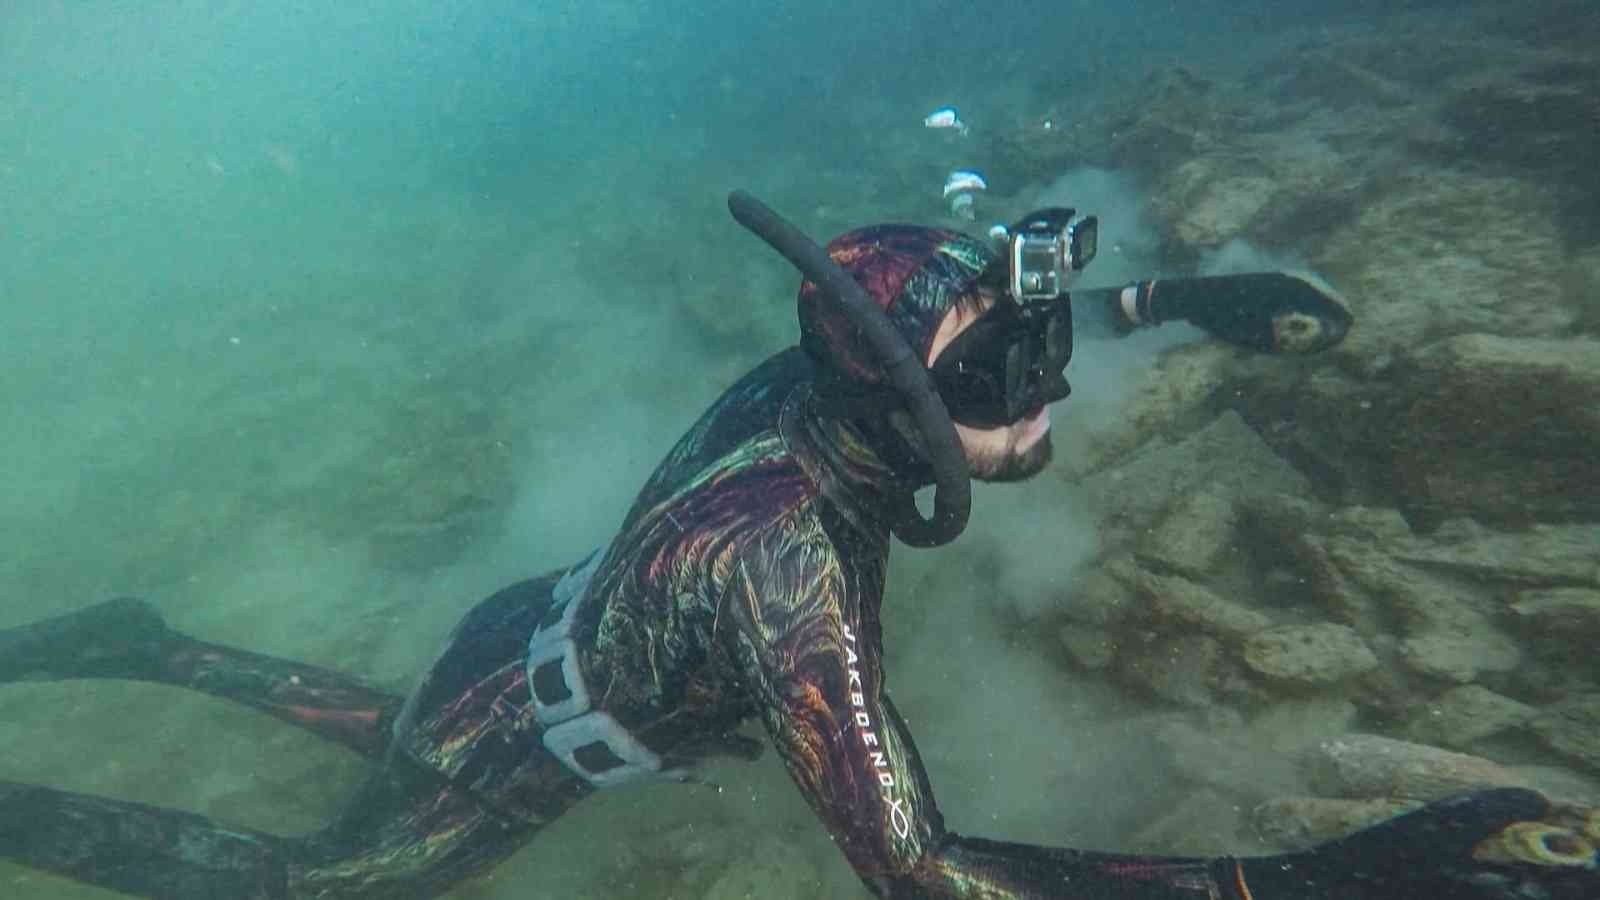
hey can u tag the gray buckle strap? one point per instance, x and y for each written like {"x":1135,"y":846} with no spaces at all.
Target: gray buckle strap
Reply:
{"x":597,"y":747}
{"x":552,"y":644}
{"x":590,"y":742}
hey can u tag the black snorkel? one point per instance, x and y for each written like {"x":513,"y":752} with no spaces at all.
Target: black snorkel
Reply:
{"x":952,"y":500}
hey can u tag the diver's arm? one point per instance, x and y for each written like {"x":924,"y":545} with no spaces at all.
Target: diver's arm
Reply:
{"x":1269,"y":312}
{"x":809,"y":644}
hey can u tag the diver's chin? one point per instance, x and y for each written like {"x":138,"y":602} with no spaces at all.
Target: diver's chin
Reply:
{"x":1033,"y":428}
{"x":1019,"y":465}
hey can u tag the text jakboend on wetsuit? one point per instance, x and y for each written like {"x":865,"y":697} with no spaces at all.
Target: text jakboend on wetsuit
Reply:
{"x":745,"y":582}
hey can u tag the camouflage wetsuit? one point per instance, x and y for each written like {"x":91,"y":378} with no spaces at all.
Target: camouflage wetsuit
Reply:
{"x":745,"y":581}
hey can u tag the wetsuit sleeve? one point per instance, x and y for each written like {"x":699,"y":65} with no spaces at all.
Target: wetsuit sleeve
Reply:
{"x":807,"y":637}
{"x":805,"y":632}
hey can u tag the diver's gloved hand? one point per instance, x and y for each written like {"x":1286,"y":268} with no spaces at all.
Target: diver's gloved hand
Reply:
{"x":1505,"y":844}
{"x":1270,"y":312}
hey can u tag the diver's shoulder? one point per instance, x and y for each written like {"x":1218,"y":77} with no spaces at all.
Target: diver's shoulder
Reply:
{"x":765,"y":387}
{"x":789,"y":365}
{"x":791,"y":522}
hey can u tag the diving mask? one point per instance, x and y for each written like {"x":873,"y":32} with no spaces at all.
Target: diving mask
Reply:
{"x":1008,"y":364}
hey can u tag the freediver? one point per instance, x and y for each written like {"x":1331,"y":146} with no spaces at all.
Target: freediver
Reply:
{"x":745,"y":581}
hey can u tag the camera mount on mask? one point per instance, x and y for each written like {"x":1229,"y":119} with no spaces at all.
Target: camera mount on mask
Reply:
{"x":952,"y":500}
{"x":1044,"y":249}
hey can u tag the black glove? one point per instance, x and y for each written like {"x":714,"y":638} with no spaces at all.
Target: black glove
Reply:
{"x":1505,"y":844}
{"x":1269,"y":312}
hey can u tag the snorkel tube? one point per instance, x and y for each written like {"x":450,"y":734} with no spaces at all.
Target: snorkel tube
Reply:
{"x":952,"y":500}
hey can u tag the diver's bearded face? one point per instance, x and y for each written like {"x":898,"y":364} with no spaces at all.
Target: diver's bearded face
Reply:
{"x":1011,"y":452}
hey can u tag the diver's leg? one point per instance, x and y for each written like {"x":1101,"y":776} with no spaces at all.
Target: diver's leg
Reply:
{"x":121,"y":638}
{"x":140,"y":850}
{"x":127,"y":638}
{"x":413,"y":832}
{"x":407,"y":835}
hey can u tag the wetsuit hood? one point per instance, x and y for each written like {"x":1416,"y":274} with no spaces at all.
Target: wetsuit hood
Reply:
{"x":900,"y":372}
{"x":916,"y":275}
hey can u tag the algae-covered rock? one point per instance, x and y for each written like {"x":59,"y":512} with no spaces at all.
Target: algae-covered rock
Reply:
{"x":1103,"y":596}
{"x":1179,"y":383}
{"x":1466,"y":714}
{"x":1370,"y":765}
{"x":1504,"y":429}
{"x":1460,"y":655}
{"x":1300,"y":823}
{"x":1309,"y":655}
{"x":1327,"y":583}
{"x":1572,"y":728}
{"x":1205,"y":823}
{"x":1560,"y":613}
{"x":1542,"y":555}
{"x":1087,"y":646}
{"x":1178,"y":669}
{"x":1174,"y":603}
{"x":1226,"y":456}
{"x":1193,"y":535}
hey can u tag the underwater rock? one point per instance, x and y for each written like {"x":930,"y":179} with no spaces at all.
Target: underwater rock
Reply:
{"x":1226,"y":456}
{"x":1538,"y":122}
{"x":1346,"y":73}
{"x":1193,"y":535}
{"x":1275,"y":515}
{"x":1466,"y":714}
{"x":1300,"y":823}
{"x":1103,"y":597}
{"x":1256,"y":760}
{"x":1540,"y":556}
{"x":1180,"y":382}
{"x":1287,"y":727}
{"x":1565,"y":613}
{"x":1423,"y":601}
{"x":1174,"y":603}
{"x":1333,"y":555}
{"x":1309,"y":655}
{"x":1370,"y":765}
{"x":1332,"y":421}
{"x":1427,"y":252}
{"x":1372,"y":523}
{"x":1502,"y":429}
{"x":1205,"y":823}
{"x":1447,"y":636}
{"x":1460,"y":654}
{"x":1441,"y":431}
{"x":1089,"y":647}
{"x":1328,"y":584}
{"x":1572,"y":728}
{"x":1183,"y":670}
{"x":1174,"y":115}
{"x":1228,"y":762}
{"x":1561,"y":784}
{"x":1212,"y":208}
{"x":1227,"y":163}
